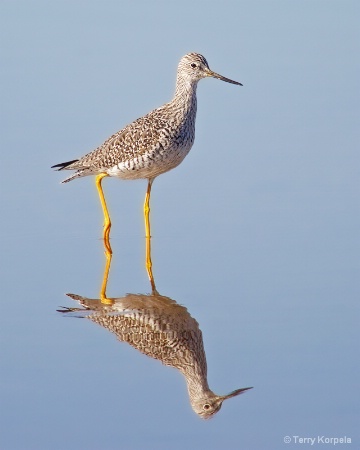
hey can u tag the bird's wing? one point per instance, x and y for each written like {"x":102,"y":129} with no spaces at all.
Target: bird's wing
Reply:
{"x":137,"y":138}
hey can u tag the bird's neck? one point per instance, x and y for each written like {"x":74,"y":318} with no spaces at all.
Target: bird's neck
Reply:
{"x":185,"y":95}
{"x":197,"y":388}
{"x":196,"y":379}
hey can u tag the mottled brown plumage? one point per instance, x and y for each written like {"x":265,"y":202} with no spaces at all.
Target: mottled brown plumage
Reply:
{"x":159,"y":327}
{"x":155,"y":143}
{"x":151,"y":145}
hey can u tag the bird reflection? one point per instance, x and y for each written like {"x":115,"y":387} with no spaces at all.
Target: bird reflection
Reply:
{"x":160,"y":328}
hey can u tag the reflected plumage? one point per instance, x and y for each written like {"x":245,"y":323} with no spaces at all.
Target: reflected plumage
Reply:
{"x":159,"y":327}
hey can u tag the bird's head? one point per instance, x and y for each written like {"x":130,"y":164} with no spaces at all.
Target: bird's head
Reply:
{"x":195,"y":67}
{"x":207,"y":406}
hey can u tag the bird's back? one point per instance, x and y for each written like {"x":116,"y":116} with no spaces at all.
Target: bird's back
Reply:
{"x":146,"y":148}
{"x":157,"y":142}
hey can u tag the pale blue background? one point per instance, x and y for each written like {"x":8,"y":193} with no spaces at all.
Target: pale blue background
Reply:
{"x":256,"y":233}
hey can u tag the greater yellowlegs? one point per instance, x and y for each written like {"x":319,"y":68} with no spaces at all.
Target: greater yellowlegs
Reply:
{"x":151,"y":145}
{"x":160,"y":328}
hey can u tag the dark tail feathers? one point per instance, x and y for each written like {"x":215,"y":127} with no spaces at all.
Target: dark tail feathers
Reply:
{"x":64,"y":165}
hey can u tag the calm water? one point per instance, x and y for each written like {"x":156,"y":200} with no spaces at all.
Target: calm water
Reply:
{"x":255,"y":234}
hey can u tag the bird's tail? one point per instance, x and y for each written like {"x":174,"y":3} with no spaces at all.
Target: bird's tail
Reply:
{"x":64,"y":165}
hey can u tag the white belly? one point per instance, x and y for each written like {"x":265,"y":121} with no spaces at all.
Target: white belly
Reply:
{"x":149,"y":165}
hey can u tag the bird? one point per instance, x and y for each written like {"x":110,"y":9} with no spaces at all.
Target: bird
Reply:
{"x":162,"y":329}
{"x":152,"y":144}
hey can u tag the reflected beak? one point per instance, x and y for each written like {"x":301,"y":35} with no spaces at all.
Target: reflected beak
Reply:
{"x":236,"y":392}
{"x":210,"y":73}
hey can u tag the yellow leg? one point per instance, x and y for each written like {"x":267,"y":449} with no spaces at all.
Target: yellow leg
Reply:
{"x":103,"y":298}
{"x":107,"y":221}
{"x":147,"y":209}
{"x":148,"y":262}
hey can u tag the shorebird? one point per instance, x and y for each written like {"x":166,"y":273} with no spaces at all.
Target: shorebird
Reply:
{"x":160,"y":328}
{"x":152,"y":144}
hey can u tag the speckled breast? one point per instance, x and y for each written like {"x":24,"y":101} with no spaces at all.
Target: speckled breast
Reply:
{"x":164,"y":156}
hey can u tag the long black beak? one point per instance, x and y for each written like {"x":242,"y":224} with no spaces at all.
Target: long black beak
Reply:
{"x":210,"y":73}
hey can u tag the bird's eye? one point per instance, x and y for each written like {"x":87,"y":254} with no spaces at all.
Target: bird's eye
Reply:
{"x":206,"y":406}
{"x":193,"y":65}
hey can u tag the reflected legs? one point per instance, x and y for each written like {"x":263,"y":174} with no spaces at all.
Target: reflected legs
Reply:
{"x":103,"y":298}
{"x":107,"y":221}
